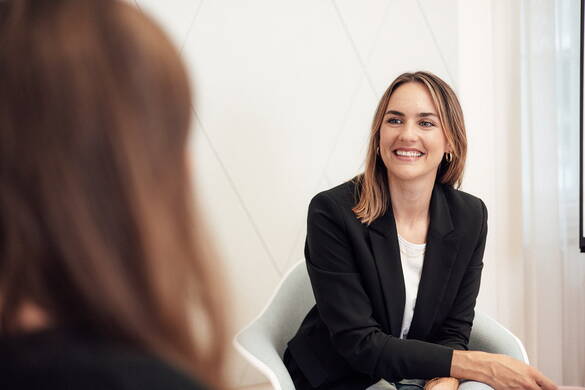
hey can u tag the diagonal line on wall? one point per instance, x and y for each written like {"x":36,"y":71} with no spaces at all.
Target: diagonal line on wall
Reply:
{"x":377,"y":36}
{"x":342,"y":127}
{"x":193,"y":19}
{"x":323,"y":174}
{"x":436,"y":42}
{"x":353,"y":46}
{"x":366,"y":75}
{"x":220,"y":162}
{"x":191,"y":25}
{"x":338,"y":135}
{"x":240,"y":199}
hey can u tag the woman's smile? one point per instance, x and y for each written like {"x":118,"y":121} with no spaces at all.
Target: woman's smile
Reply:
{"x":408,"y":154}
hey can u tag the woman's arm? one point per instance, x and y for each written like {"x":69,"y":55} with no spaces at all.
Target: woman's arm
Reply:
{"x":456,"y":328}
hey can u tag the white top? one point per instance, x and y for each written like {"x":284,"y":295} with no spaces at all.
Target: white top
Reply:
{"x":411,"y":257}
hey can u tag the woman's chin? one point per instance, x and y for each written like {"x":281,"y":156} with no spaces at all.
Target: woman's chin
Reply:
{"x":410,"y":174}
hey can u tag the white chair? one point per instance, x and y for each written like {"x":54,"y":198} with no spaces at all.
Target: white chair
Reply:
{"x":264,"y":340}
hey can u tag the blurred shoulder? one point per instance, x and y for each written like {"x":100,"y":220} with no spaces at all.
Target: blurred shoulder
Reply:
{"x":53,"y":360}
{"x":132,"y":370}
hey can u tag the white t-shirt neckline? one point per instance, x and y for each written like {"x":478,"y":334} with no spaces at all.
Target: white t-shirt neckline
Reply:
{"x":411,"y":258}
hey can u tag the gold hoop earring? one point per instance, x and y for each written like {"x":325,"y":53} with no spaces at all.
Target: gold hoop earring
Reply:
{"x":449,"y":157}
{"x":377,"y":151}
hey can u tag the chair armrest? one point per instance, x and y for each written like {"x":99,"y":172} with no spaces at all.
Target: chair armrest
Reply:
{"x":255,"y":347}
{"x":489,"y":335}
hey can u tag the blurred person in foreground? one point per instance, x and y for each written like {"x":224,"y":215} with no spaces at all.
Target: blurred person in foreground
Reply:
{"x":104,"y":278}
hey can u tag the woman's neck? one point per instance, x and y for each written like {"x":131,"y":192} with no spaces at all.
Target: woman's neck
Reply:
{"x":410,"y":205}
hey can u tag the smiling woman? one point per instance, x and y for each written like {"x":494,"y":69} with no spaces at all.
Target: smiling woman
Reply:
{"x":395,"y":259}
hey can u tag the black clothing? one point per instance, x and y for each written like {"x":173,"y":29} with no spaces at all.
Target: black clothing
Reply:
{"x":56,"y":359}
{"x":352,"y":333}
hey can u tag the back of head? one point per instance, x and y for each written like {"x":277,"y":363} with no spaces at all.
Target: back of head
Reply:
{"x":96,"y":225}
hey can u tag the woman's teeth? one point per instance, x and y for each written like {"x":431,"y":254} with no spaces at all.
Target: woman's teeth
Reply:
{"x":408,"y":154}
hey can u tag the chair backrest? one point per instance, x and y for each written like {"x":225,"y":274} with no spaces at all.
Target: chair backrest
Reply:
{"x":294,"y":298}
{"x":263,"y":342}
{"x":288,"y":307}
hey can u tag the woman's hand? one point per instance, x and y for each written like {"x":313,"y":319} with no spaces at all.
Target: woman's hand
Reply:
{"x":510,"y":373}
{"x":445,"y":383}
{"x":498,"y":371}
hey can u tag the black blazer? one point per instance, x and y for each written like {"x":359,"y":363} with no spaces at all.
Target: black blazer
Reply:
{"x":351,"y":335}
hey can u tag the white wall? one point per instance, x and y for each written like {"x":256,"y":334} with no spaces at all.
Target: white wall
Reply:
{"x":489,"y":58}
{"x":285,"y":95}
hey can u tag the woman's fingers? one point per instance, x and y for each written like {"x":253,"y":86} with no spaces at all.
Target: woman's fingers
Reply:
{"x":512,"y":373}
{"x":499,"y":371}
{"x":544,"y":383}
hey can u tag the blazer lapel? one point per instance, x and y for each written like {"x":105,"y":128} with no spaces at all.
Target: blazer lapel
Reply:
{"x":440,"y":255}
{"x":384,"y":240}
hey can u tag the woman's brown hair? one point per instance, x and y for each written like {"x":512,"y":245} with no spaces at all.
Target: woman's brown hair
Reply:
{"x":97,"y":226}
{"x":373,"y":183}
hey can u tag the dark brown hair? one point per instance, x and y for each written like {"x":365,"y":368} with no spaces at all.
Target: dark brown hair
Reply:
{"x":96,"y":220}
{"x":373,"y":183}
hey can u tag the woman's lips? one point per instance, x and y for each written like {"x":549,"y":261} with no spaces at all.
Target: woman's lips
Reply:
{"x":407,"y":155}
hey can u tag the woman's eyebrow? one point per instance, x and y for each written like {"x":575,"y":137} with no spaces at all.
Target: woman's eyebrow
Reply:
{"x":420,"y":114}
{"x":394,"y":113}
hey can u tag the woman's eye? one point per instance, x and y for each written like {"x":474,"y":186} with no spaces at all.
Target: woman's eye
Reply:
{"x":426,"y":124}
{"x":394,"y":121}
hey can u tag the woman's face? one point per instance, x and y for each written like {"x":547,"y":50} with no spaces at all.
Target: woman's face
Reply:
{"x":412,"y":142}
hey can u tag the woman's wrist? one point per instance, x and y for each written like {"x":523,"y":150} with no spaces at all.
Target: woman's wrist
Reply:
{"x":473,"y":365}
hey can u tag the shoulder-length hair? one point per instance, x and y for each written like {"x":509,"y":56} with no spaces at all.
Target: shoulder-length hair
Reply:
{"x":373,"y":182}
{"x":97,"y":226}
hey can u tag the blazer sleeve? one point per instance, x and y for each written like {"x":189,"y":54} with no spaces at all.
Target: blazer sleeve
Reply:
{"x":346,"y":310}
{"x":455,"y":330}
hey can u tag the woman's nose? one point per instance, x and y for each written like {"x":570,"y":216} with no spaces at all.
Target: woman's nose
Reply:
{"x":408,"y":132}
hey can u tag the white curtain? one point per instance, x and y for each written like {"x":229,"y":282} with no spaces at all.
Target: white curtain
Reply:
{"x":555,"y":270}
